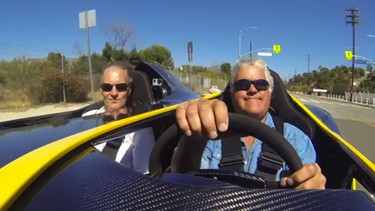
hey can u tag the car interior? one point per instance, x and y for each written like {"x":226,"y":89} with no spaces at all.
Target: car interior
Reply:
{"x":173,"y":180}
{"x":333,"y":161}
{"x":178,"y":156}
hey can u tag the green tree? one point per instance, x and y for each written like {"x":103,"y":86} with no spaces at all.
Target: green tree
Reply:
{"x":134,"y":58}
{"x":369,"y":68}
{"x":56,"y":59}
{"x":226,"y":68}
{"x":111,"y":54}
{"x":98,"y":63}
{"x":368,"y":84}
{"x":158,"y":55}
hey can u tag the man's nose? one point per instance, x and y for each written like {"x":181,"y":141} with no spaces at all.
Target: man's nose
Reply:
{"x":114,"y":91}
{"x":252,"y":88}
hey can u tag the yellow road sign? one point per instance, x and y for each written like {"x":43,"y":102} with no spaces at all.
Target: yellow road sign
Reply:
{"x":348,"y":55}
{"x":276,"y":49}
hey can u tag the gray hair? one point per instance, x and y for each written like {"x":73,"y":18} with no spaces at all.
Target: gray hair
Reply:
{"x":129,"y":79}
{"x":252,"y":61}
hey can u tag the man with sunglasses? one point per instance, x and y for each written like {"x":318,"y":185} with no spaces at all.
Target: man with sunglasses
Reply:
{"x":115,"y":89}
{"x":134,"y":149}
{"x":251,"y":85}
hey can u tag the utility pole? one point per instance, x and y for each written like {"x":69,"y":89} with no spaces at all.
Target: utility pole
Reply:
{"x":308,"y":71}
{"x":308,"y":63}
{"x":63,"y":76}
{"x":251,"y":49}
{"x":352,"y":17}
{"x":190,"y":59}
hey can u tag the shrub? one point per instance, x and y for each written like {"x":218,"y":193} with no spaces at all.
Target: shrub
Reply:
{"x":75,"y":88}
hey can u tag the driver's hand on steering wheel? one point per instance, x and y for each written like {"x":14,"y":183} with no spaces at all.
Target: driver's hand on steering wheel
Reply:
{"x":202,"y":117}
{"x":210,"y":116}
{"x":308,"y":177}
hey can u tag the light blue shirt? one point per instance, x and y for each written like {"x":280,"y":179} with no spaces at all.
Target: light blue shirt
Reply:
{"x":300,"y":141}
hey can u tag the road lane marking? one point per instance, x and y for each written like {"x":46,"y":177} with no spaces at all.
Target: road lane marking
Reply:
{"x":366,"y":122}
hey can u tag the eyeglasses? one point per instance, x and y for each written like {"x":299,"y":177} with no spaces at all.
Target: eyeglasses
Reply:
{"x":108,"y":87}
{"x":245,"y":84}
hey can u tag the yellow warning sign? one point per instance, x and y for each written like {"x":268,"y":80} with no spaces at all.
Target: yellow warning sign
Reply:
{"x":276,"y":49}
{"x":348,"y":55}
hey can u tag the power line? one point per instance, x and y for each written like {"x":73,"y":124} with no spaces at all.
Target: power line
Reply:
{"x":11,"y":45}
{"x":25,"y":49}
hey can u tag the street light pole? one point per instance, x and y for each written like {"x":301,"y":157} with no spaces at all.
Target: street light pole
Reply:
{"x":261,"y":52}
{"x":240,"y":34}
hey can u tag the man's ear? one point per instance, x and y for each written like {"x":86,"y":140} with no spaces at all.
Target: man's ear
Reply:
{"x":129,"y":91}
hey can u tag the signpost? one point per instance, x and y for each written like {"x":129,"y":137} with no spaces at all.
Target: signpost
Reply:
{"x":190,"y":58}
{"x":262,"y":53}
{"x":359,"y":61}
{"x":265,"y":51}
{"x":87,"y":19}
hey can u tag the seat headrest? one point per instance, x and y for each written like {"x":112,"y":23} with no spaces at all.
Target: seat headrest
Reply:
{"x":141,"y":89}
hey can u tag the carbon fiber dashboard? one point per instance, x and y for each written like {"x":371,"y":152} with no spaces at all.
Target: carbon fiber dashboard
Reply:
{"x":95,"y":183}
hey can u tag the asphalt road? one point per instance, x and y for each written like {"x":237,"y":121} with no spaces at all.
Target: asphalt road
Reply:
{"x":356,"y":122}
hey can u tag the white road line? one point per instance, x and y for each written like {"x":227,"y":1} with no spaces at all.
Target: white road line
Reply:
{"x":326,"y":102}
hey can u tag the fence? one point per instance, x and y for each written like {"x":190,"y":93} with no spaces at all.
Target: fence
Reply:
{"x":362,"y":98}
{"x":202,"y":84}
{"x":358,"y":97}
{"x":22,"y":84}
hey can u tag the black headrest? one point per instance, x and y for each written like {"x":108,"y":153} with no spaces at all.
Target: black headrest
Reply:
{"x":141,"y":89}
{"x":281,"y":106}
{"x":284,"y":108}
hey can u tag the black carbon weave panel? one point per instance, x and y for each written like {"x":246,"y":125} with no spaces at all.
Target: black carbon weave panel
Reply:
{"x":95,"y":183}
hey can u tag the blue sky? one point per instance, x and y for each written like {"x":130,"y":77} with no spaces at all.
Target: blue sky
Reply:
{"x":300,"y":27}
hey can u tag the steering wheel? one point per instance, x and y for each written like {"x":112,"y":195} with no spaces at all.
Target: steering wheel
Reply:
{"x":239,"y":123}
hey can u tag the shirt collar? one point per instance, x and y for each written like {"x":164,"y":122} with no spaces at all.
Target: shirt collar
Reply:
{"x":269,"y":120}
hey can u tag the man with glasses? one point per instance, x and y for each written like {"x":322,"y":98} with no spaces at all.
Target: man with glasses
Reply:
{"x":251,"y":85}
{"x":132,"y":150}
{"x":115,"y":89}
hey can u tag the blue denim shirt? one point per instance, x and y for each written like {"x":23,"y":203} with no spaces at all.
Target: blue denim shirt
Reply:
{"x":300,"y":141}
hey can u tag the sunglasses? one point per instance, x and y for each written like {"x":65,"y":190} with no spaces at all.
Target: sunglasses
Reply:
{"x":119,"y":87}
{"x":245,"y":84}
